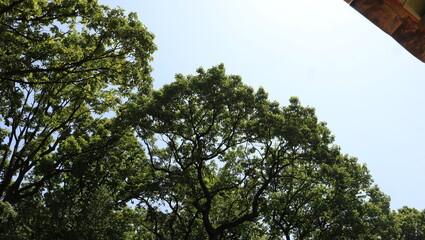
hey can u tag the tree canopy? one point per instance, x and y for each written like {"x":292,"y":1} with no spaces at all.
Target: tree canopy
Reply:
{"x":88,"y":150}
{"x":61,"y":63}
{"x":230,"y":164}
{"x":64,"y":67}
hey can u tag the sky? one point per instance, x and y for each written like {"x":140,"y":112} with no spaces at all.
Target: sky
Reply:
{"x":368,"y":88}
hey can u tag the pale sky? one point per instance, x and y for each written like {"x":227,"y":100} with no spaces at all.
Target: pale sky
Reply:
{"x":367,"y":88}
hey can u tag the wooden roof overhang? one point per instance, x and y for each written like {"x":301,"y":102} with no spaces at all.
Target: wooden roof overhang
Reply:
{"x":403,"y":20}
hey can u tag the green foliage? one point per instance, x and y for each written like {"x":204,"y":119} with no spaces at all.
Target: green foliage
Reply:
{"x":67,"y":170}
{"x":230,"y":164}
{"x":410,"y":223}
{"x":6,"y":213}
{"x":89,"y":199}
{"x":61,"y":63}
{"x":76,"y":41}
{"x":205,"y":157}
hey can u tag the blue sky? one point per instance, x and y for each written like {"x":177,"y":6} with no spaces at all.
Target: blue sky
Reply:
{"x":367,"y":88}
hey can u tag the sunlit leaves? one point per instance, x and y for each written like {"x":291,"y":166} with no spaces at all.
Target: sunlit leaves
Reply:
{"x":63,"y":66}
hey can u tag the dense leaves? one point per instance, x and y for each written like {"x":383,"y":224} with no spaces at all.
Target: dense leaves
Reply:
{"x":65,"y":66}
{"x":89,"y":151}
{"x":230,"y":164}
{"x":61,"y":62}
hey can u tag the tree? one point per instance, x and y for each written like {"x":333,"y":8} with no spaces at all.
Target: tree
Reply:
{"x":89,"y":201}
{"x":65,"y":67}
{"x":230,"y":164}
{"x":63,"y":64}
{"x":203,"y":157}
{"x":410,"y":223}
